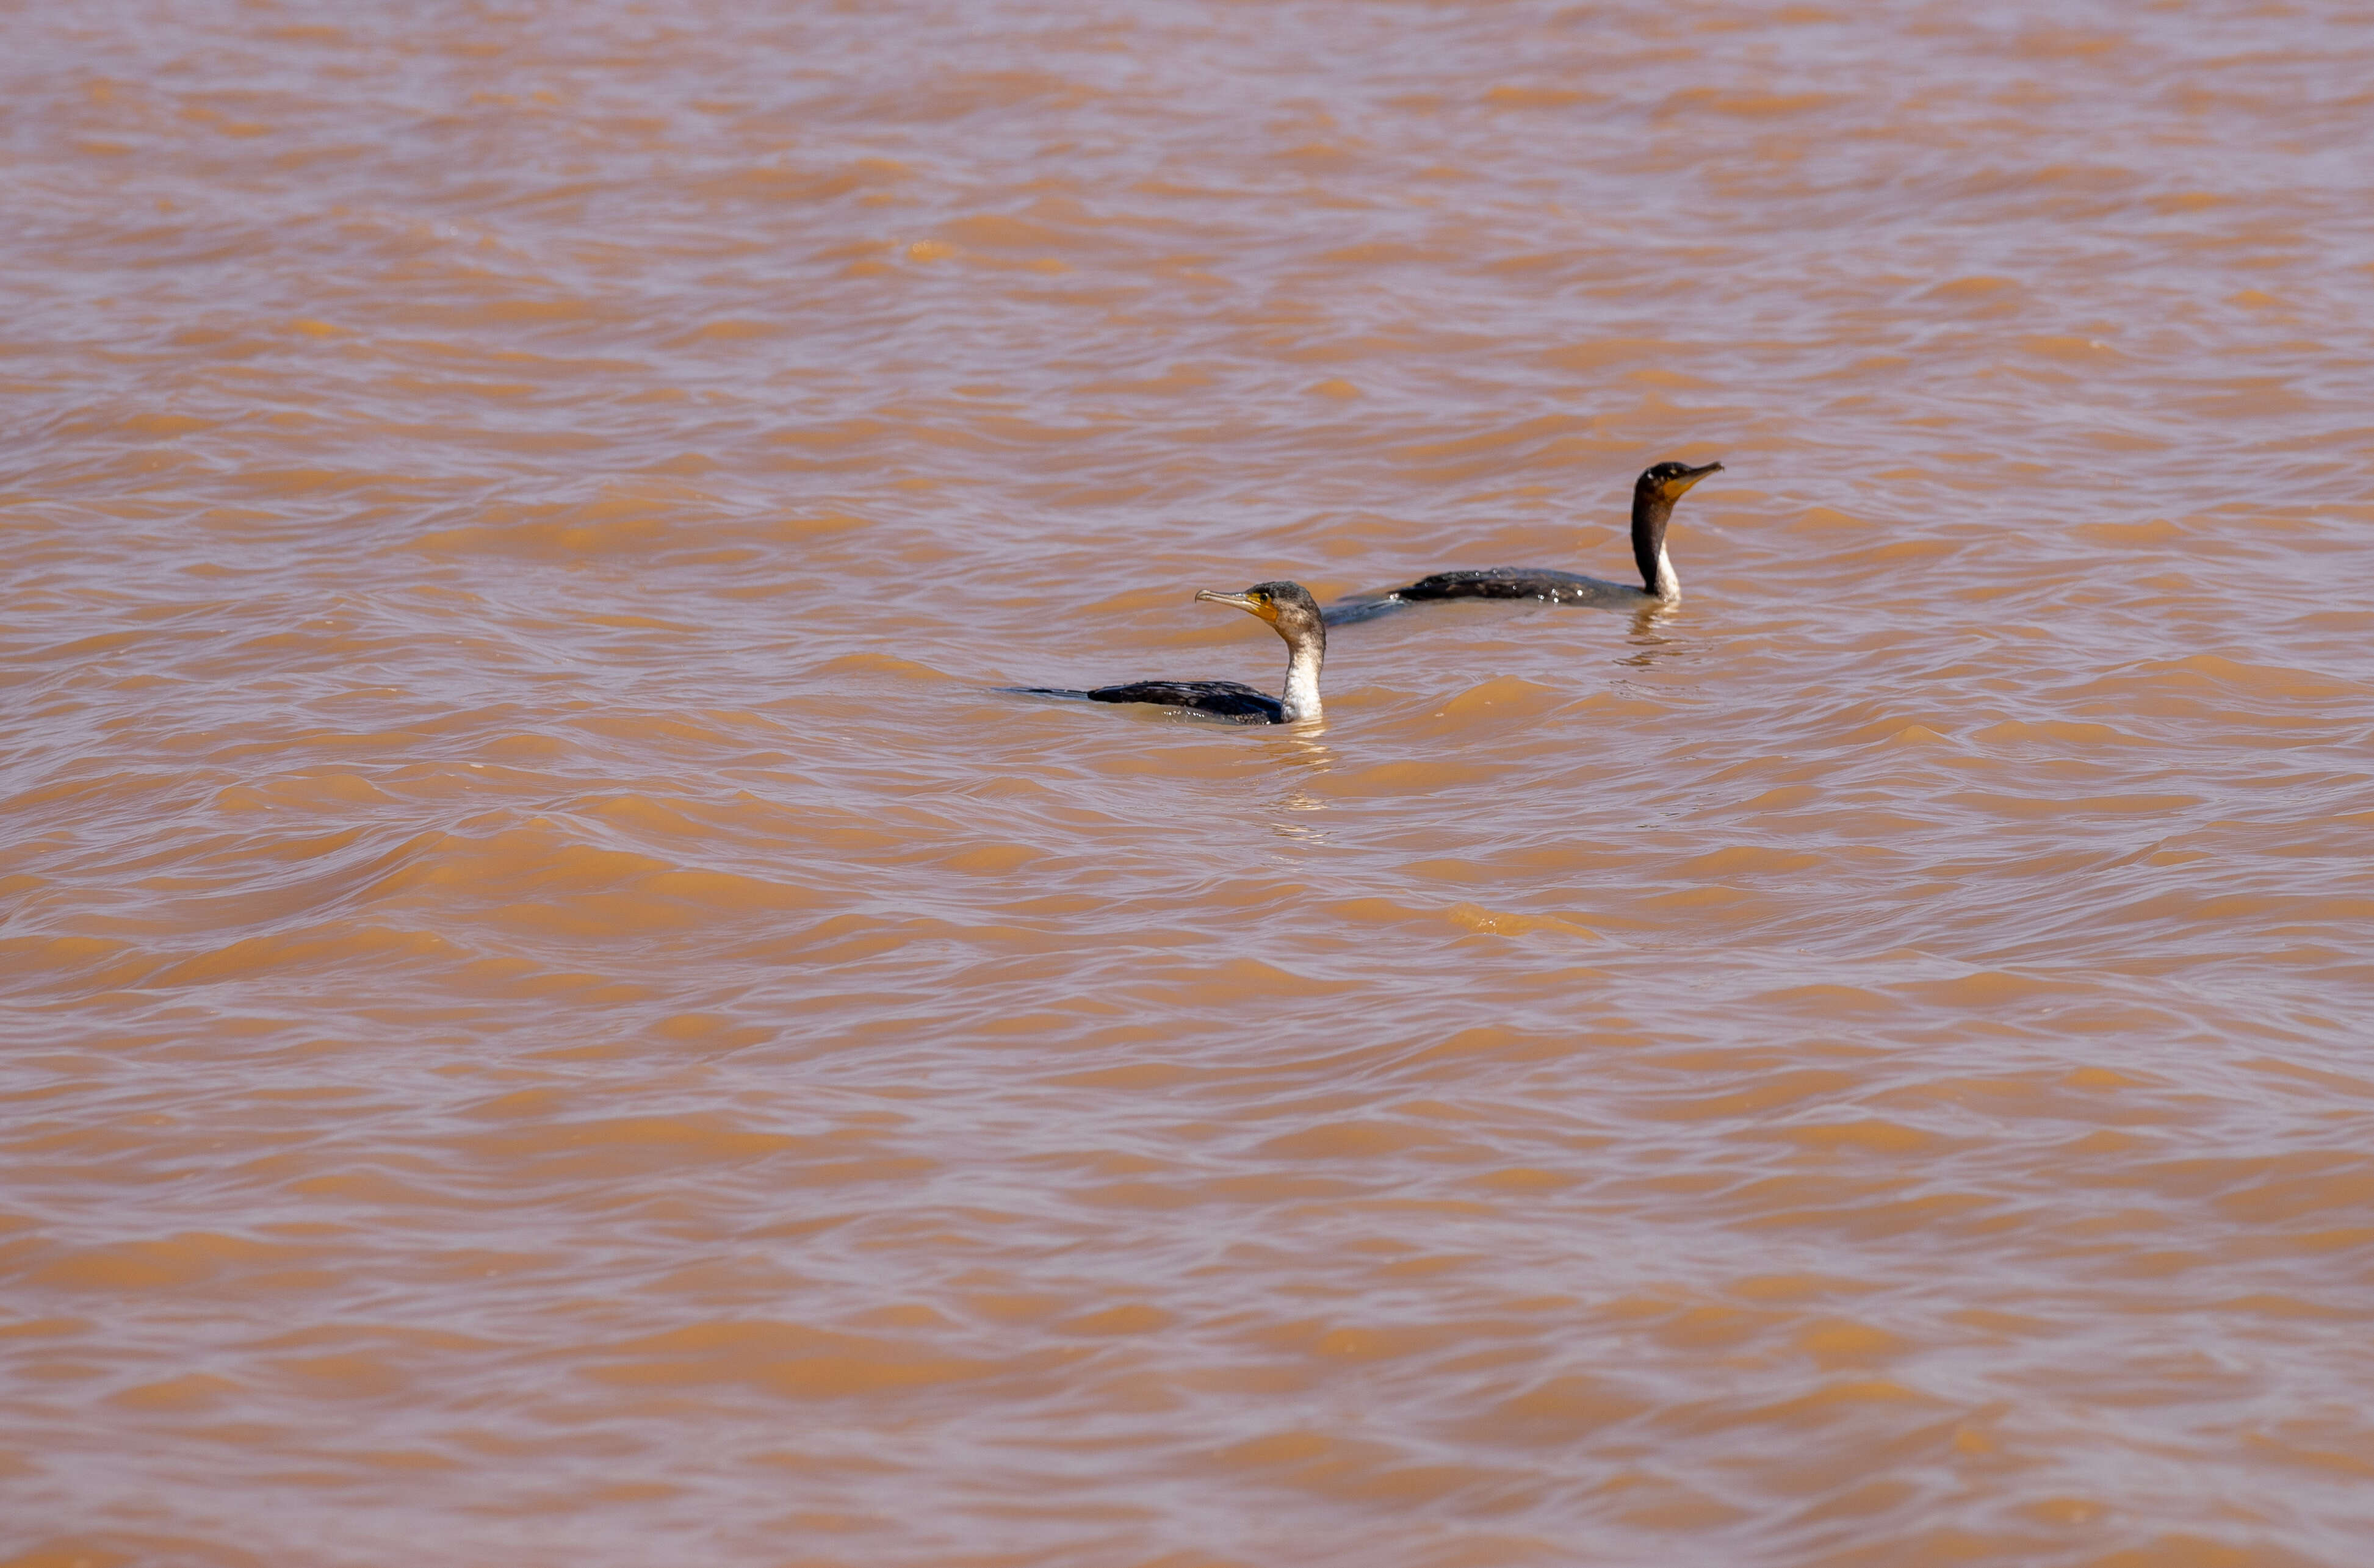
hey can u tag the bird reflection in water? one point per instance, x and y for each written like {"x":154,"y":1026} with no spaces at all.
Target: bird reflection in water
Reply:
{"x":1303,"y":756}
{"x":1649,"y":642}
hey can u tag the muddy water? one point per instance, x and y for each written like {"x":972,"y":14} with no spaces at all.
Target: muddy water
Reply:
{"x":556,"y":1017}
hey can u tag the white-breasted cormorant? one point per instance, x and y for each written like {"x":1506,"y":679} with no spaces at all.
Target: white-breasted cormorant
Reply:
{"x":1291,"y":613}
{"x":1654,"y":495}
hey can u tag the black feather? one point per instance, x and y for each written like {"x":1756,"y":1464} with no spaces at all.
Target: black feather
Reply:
{"x":1222,"y":699}
{"x":1517,"y":582}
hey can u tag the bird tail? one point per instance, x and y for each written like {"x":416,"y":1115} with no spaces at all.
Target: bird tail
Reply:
{"x":1043,"y":691}
{"x":1363,"y":607}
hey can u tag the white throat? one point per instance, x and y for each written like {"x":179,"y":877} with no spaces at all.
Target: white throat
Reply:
{"x":1301,"y":698}
{"x":1669,"y":581}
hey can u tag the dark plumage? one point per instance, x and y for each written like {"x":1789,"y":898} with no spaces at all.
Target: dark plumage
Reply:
{"x":1291,"y":612}
{"x":1654,"y":495}
{"x":1227,"y":699}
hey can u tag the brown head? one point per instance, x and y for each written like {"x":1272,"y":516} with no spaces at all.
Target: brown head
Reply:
{"x":1288,"y":608}
{"x":1654,"y":495}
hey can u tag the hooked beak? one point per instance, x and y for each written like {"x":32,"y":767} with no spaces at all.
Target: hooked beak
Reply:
{"x":1241,"y":601}
{"x":1675,"y":487}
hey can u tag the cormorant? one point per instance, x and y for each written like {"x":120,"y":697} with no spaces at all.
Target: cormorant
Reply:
{"x":1654,"y":495}
{"x":1291,"y":613}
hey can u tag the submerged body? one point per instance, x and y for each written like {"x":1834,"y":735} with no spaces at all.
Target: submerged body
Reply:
{"x":1291,"y":613}
{"x":1654,"y":495}
{"x":1519,"y":582}
{"x":1222,"y":699}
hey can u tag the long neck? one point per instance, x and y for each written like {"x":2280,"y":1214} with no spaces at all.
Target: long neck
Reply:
{"x":1301,"y":695}
{"x":1651,"y":512}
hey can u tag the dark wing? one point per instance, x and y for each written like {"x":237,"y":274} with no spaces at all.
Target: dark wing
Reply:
{"x":1229,"y":700}
{"x":1225,"y":700}
{"x":1515,"y":582}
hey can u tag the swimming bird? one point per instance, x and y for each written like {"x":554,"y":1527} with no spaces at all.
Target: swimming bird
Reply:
{"x":1654,"y":495}
{"x":1291,"y":613}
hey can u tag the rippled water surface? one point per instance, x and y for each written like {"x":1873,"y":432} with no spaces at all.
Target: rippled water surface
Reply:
{"x":556,"y":1017}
